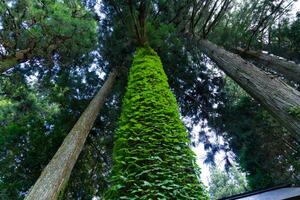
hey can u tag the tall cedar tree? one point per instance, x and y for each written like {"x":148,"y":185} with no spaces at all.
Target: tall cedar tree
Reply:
{"x":152,"y":158}
{"x":293,"y":111}
{"x":56,"y":174}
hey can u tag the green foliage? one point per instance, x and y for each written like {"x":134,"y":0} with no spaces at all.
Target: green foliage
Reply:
{"x":26,"y":118}
{"x":32,"y":131}
{"x":36,"y":121}
{"x":294,"y":111}
{"x":194,"y":84}
{"x":285,"y":39}
{"x":252,"y":135}
{"x":158,"y":35}
{"x":224,"y":184}
{"x":253,"y":23}
{"x":152,"y":159}
{"x":42,"y":29}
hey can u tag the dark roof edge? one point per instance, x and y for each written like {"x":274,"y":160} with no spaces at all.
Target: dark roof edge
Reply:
{"x":246,"y":194}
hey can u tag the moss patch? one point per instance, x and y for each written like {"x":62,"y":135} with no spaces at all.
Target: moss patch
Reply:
{"x":294,"y":111}
{"x":62,"y":191}
{"x":152,"y":159}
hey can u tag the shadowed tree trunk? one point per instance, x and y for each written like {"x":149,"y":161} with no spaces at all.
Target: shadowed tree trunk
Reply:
{"x":55,"y":175}
{"x":281,"y":100}
{"x":288,"y":69}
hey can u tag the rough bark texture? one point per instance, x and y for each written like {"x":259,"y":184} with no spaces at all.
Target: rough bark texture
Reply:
{"x":288,"y":69}
{"x":279,"y":98}
{"x":56,"y":174}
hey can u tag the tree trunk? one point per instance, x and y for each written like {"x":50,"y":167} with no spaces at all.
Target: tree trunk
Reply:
{"x":56,"y":174}
{"x":290,"y":70}
{"x":281,"y":100}
{"x":152,"y":159}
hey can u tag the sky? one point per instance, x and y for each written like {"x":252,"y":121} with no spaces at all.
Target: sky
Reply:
{"x":201,"y":155}
{"x":296,"y":8}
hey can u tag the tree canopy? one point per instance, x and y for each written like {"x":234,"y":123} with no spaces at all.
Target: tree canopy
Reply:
{"x":48,"y":30}
{"x":54,"y":56}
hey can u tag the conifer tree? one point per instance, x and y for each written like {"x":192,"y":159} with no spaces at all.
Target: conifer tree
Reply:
{"x":56,"y":174}
{"x":152,"y":158}
{"x":288,"y":69}
{"x":46,"y":30}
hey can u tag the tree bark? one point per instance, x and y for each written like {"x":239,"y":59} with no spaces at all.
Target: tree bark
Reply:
{"x":288,"y":69}
{"x":56,"y":174}
{"x":275,"y":95}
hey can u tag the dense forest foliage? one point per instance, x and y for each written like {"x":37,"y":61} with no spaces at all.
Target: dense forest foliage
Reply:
{"x":103,"y":99}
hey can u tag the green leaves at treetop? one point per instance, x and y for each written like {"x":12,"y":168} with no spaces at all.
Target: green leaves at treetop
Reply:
{"x":152,"y":159}
{"x":41,"y":29}
{"x":27,"y":136}
{"x":224,"y":184}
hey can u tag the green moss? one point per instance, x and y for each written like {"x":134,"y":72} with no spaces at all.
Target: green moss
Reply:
{"x":152,"y":159}
{"x":8,"y":63}
{"x":5,"y":103}
{"x":62,"y":191}
{"x":294,"y":111}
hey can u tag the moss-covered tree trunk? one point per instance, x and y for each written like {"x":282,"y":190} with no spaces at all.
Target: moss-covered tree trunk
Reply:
{"x":152,"y":159}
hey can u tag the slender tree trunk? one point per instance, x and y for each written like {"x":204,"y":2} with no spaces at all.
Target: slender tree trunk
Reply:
{"x":56,"y":174}
{"x":288,"y":69}
{"x":281,"y":100}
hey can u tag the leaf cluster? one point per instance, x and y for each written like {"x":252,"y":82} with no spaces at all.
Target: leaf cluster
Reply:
{"x":43,"y":29}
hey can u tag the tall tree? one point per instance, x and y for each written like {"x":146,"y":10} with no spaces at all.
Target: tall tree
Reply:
{"x":73,"y":97}
{"x":258,"y":31}
{"x":283,"y":104}
{"x":189,"y":78}
{"x":283,"y":109}
{"x":289,"y":70}
{"x":151,"y":155}
{"x":281,"y":100}
{"x":30,"y":149}
{"x":228,"y":63}
{"x":56,"y":174}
